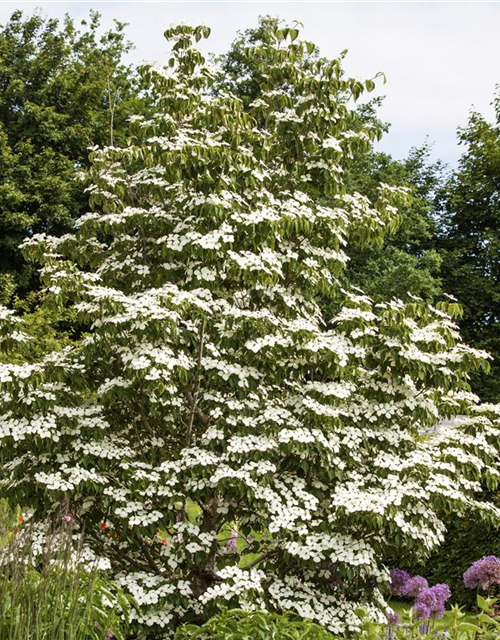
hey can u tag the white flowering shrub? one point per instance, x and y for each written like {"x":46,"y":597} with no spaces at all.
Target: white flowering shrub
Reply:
{"x":236,"y":428}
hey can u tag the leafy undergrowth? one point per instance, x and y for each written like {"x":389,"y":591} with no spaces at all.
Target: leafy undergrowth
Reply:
{"x":402,"y":606}
{"x":241,"y":625}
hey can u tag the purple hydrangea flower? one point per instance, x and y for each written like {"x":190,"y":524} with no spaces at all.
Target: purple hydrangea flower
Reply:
{"x":483,"y":573}
{"x":432,"y":601}
{"x":399,"y":579}
{"x":415,"y":585}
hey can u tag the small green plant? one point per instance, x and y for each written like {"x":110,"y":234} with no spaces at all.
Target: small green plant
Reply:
{"x":236,"y":624}
{"x":48,"y":592}
{"x":456,"y":625}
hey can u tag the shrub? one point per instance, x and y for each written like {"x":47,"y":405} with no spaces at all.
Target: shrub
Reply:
{"x":243,"y":625}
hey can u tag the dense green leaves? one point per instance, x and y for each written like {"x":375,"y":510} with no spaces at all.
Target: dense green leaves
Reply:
{"x":243,"y":625}
{"x":471,"y":241}
{"x":408,"y":262}
{"x":62,"y":90}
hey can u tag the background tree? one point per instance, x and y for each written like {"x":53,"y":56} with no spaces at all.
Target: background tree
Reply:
{"x":408,"y":263}
{"x":61,"y":90}
{"x":471,"y":241}
{"x":223,"y":436}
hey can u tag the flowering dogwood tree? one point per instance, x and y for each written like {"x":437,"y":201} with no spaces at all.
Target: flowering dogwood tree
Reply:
{"x":220,"y":436}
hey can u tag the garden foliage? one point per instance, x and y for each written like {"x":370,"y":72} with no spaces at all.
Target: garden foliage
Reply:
{"x":220,"y":435}
{"x":457,"y":625}
{"x":50,"y":591}
{"x":240,"y":625}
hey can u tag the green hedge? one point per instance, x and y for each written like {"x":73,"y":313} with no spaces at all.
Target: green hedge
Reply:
{"x":467,"y":539}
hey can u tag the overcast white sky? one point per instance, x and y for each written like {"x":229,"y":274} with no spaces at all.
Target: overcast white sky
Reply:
{"x":440,"y":58}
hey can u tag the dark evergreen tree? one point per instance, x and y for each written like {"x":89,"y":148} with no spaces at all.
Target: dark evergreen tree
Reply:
{"x":471,"y":242}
